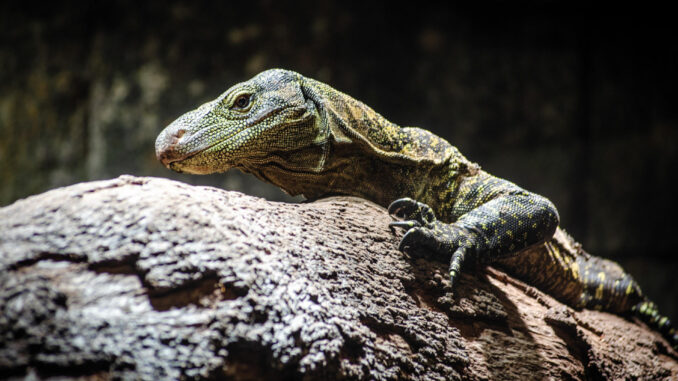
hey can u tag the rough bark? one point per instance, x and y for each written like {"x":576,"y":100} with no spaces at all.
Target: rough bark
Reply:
{"x":144,"y":278}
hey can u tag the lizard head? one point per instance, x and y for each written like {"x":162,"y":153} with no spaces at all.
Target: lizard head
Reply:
{"x":249,"y":125}
{"x":300,"y":135}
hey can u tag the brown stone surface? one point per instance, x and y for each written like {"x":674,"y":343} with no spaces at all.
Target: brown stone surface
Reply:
{"x":154,"y":279}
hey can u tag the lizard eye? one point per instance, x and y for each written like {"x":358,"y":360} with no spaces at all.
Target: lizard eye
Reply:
{"x":242,"y":101}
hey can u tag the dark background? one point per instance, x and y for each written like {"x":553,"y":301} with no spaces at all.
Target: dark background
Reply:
{"x":572,"y":102}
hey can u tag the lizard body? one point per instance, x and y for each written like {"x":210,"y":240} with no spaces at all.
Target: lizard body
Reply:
{"x":308,"y":138}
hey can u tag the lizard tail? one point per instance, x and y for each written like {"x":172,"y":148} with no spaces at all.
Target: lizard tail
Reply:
{"x":647,"y":311}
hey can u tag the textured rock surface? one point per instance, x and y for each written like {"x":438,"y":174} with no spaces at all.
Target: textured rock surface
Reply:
{"x":576,"y":102}
{"x":153,"y":279}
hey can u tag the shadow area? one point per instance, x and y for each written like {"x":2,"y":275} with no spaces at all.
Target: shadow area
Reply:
{"x":492,"y":326}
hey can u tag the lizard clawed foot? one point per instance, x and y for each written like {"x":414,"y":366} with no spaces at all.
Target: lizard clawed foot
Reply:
{"x":418,"y":218}
{"x":425,"y":234}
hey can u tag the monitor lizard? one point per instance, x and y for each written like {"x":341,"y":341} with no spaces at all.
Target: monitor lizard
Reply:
{"x":310,"y":139}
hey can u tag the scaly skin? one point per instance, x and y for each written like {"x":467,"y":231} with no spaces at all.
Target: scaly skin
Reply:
{"x":308,"y":138}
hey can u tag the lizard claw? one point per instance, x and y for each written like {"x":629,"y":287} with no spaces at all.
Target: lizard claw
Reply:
{"x":410,"y":209}
{"x":409,"y":224}
{"x":402,"y":207}
{"x":456,"y":263}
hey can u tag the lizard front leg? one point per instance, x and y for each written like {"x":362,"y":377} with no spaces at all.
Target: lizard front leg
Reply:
{"x":506,"y":219}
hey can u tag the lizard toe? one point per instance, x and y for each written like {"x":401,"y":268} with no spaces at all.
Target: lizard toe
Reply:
{"x":408,"y":224}
{"x":456,"y":263}
{"x":417,"y":241}
{"x":402,"y":207}
{"x":410,"y":209}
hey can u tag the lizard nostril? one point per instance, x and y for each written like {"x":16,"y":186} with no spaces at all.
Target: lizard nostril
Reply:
{"x":168,"y":144}
{"x":177,"y":136}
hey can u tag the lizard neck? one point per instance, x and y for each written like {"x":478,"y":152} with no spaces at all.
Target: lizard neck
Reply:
{"x":359,"y":152}
{"x":374,"y":174}
{"x":348,"y":170}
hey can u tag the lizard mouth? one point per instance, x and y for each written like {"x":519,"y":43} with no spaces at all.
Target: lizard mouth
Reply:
{"x":203,"y":158}
{"x":172,"y":149}
{"x":168,"y":150}
{"x":182,"y":151}
{"x":177,"y":143}
{"x":171,"y":159}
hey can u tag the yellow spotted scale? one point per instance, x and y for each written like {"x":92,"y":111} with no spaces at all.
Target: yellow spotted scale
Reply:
{"x":308,"y":138}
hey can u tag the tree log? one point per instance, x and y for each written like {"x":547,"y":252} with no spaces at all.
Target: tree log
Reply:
{"x":146,"y":278}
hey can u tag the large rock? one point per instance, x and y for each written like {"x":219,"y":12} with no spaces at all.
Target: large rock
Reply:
{"x":154,"y":279}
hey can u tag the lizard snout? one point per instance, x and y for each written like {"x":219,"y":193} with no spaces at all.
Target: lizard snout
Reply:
{"x":167,"y":147}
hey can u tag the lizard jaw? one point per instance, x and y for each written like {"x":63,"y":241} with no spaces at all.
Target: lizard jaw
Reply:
{"x":179,"y":150}
{"x":180,"y":161}
{"x":168,"y":153}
